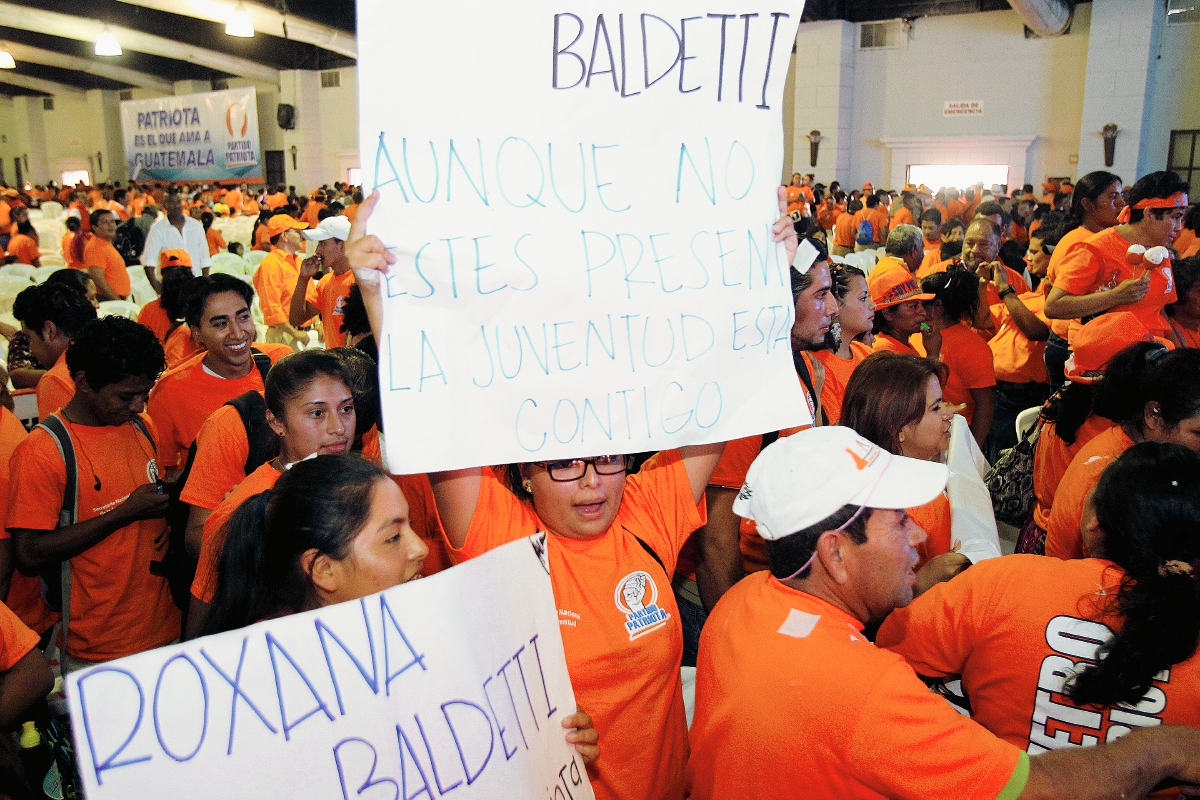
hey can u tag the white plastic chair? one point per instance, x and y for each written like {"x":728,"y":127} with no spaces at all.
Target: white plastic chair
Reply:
{"x":25,"y":407}
{"x":45,"y":271}
{"x":52,"y":210}
{"x":9,"y":289}
{"x":27,"y":271}
{"x":230,"y":264}
{"x":119,"y":308}
{"x":53,"y":260}
{"x":141,"y":292}
{"x":1026,"y":420}
{"x":255,"y":257}
{"x":36,"y":214}
{"x":837,"y":259}
{"x":50,"y":233}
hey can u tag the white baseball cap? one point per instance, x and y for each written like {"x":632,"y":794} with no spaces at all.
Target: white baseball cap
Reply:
{"x":802,"y":479}
{"x":329,"y":228}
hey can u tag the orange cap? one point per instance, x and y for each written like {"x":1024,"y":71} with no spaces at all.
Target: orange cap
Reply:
{"x":1100,"y":340}
{"x":174,"y":258}
{"x":282,"y":222}
{"x":897,"y":287}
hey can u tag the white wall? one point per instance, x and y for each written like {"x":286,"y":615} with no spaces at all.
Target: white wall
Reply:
{"x":1175,"y":98}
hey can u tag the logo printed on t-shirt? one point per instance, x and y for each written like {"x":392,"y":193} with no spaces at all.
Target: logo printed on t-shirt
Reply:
{"x":637,"y":598}
{"x":152,"y":471}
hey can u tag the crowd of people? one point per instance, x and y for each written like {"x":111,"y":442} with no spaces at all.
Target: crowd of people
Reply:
{"x":188,"y":479}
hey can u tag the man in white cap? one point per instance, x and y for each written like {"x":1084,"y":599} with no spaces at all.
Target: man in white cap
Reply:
{"x":333,"y":288}
{"x":793,"y":700}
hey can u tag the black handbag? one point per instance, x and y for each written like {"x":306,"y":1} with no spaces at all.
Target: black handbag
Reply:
{"x":1010,"y":481}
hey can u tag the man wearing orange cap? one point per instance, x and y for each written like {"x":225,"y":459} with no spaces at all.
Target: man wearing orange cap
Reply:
{"x":275,"y":280}
{"x":1103,"y":274}
{"x":177,"y":231}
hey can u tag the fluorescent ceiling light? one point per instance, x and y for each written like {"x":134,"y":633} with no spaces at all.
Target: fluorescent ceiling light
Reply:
{"x":6,"y":60}
{"x":107,"y":44}
{"x":239,"y":23}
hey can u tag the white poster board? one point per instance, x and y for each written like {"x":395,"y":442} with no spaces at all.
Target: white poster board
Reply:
{"x":453,"y":682}
{"x":193,"y":137}
{"x":580,"y":202}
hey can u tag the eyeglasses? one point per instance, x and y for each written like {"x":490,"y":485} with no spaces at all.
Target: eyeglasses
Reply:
{"x":573,"y":469}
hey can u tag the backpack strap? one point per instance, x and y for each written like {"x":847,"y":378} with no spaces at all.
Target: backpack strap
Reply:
{"x":650,"y":550}
{"x":252,"y":408}
{"x":69,"y":514}
{"x":806,"y":378}
{"x":263,"y":362}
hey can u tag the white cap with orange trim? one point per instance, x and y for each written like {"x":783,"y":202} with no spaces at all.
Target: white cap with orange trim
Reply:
{"x":802,"y":479}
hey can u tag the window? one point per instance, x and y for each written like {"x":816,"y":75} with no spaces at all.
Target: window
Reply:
{"x":331,"y":79}
{"x":354,"y":176}
{"x":937,"y":176}
{"x":47,"y":104}
{"x":126,"y":94}
{"x":1184,"y":156}
{"x":881,"y":35}
{"x":74,"y":176}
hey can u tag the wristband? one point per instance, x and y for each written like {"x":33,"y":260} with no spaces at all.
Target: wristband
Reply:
{"x":1006,"y":291}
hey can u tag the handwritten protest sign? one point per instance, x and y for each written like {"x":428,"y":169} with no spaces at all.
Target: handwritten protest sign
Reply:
{"x":455,"y":682}
{"x":580,"y":199}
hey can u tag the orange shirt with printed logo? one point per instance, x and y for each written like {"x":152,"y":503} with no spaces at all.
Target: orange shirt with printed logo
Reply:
{"x":185,"y":396}
{"x":1017,"y":358}
{"x":331,"y":293}
{"x":619,"y":621}
{"x":1098,"y":264}
{"x":971,"y":367}
{"x":100,"y":253}
{"x":204,"y":585}
{"x":1013,"y":628}
{"x":118,"y":607}
{"x":55,"y":388}
{"x":24,"y":592}
{"x":1051,"y":458}
{"x":837,"y":373}
{"x":155,"y":318}
{"x":1063,"y":536}
{"x":793,"y":701}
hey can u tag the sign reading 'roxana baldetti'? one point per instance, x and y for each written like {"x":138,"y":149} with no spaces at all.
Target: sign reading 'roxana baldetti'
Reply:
{"x":208,"y":136}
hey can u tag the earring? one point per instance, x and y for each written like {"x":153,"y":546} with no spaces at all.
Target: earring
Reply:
{"x":527,"y":485}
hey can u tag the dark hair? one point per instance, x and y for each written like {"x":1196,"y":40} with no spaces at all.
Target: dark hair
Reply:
{"x":237,"y":248}
{"x":1191,"y":219}
{"x":1012,"y":254}
{"x":1053,"y":228}
{"x":840,"y":276}
{"x":61,"y":303}
{"x":204,"y":288}
{"x":931,"y":215}
{"x":1154,"y":185}
{"x":872,"y":201}
{"x":362,"y":378}
{"x":958,"y":292}
{"x":177,"y":282}
{"x":1148,"y":505}
{"x":74,"y":224}
{"x":75,"y":278}
{"x":26,"y":229}
{"x":1187,"y":272}
{"x":886,"y":392}
{"x":320,"y":503}
{"x":354,"y":314}
{"x":1146,"y":372}
{"x":854,"y":207}
{"x":1069,"y":409}
{"x":98,"y":215}
{"x":991,"y":209}
{"x":949,"y":250}
{"x":949,"y":225}
{"x":206,"y":219}
{"x":788,"y":554}
{"x":989,"y":224}
{"x":111,"y":349}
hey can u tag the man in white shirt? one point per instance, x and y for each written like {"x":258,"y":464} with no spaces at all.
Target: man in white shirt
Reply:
{"x":177,"y":231}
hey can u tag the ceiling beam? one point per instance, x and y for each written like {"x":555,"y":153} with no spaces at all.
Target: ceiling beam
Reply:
{"x":43,"y":85}
{"x":36,"y":55}
{"x":87,"y":30}
{"x":266,"y":20}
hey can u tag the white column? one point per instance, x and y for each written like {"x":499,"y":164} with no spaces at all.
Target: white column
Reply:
{"x":823,"y":98}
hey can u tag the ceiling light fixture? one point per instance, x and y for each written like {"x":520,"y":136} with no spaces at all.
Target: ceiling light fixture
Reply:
{"x":107,"y":44}
{"x":6,"y":60}
{"x":239,"y":23}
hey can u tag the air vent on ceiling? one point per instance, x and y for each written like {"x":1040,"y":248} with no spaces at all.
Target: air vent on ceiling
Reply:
{"x":47,"y":104}
{"x":880,"y":35}
{"x":1183,"y":12}
{"x":331,"y":79}
{"x":126,"y":94}
{"x":220,"y":84}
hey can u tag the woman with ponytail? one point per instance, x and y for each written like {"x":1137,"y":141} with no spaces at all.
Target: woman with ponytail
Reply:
{"x":1164,"y":407}
{"x":1047,"y":649}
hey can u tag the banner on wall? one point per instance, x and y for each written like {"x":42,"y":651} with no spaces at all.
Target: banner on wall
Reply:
{"x":456,"y":682}
{"x":580,"y":200}
{"x":193,"y":137}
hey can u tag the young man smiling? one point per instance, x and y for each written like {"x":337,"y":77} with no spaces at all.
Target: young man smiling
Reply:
{"x":218,"y":315}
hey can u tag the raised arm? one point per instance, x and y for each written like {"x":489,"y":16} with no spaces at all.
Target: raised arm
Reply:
{"x":700,"y":460}
{"x":456,"y":493}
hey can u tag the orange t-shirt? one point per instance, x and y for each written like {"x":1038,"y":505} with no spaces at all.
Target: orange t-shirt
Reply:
{"x":55,"y":388}
{"x":902,"y":217}
{"x":424,"y":519}
{"x":931,"y":262}
{"x":185,"y":396}
{"x":118,"y":607}
{"x":68,"y":251}
{"x":885,"y":343}
{"x":310,"y":213}
{"x":623,"y":655}
{"x":827,"y":217}
{"x":275,"y":281}
{"x":1184,"y":241}
{"x":790,"y":694}
{"x":844,"y":231}
{"x":957,"y":208}
{"x":204,"y":585}
{"x":16,"y":639}
{"x":180,"y":346}
{"x":331,"y":293}
{"x":24,"y":592}
{"x":276,"y":200}
{"x":1013,"y":628}
{"x":971,"y":367}
{"x":250,"y":207}
{"x":934,"y":518}
{"x":1069,"y":242}
{"x":1063,"y":536}
{"x":24,"y":248}
{"x":100,"y":253}
{"x":233,"y":198}
{"x":221,"y":453}
{"x":1191,"y":251}
{"x":1016,"y":357}
{"x":1099,"y":264}
{"x":155,"y":318}
{"x":837,"y":373}
{"x":216,"y":242}
{"x":1015,"y":279}
{"x":1051,"y":458}
{"x":262,"y":239}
